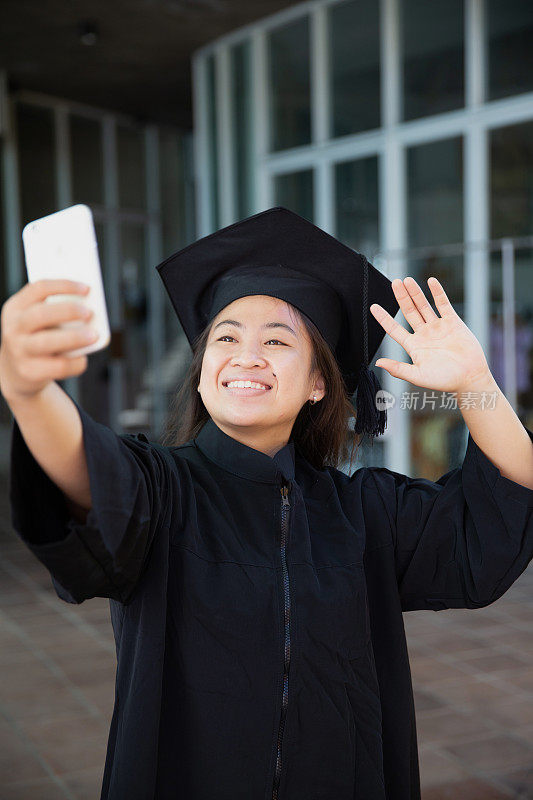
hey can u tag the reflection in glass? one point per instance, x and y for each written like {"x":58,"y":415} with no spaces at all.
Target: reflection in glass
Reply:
{"x":295,"y":192}
{"x":241,"y":88}
{"x":357,"y":226}
{"x":510,"y":51}
{"x":289,"y":85}
{"x":133,"y":291}
{"x":212,"y":135}
{"x":511,"y":180}
{"x":516,"y":328}
{"x":435,"y":192}
{"x":5,"y":412}
{"x":86,"y":161}
{"x":94,"y":382}
{"x":131,"y":167}
{"x":176,"y":210}
{"x":354,"y":66}
{"x":433,"y":57}
{"x":3,"y":270}
{"x":435,"y":217}
{"x":511,"y":189}
{"x":356,"y":204}
{"x":438,"y":432}
{"x":36,"y":146}
{"x":172,"y":191}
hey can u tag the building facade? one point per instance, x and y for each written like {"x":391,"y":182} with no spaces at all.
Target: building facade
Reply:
{"x":138,"y":181}
{"x":404,"y":128}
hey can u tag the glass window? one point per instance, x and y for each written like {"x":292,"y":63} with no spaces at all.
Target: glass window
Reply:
{"x":176,"y":210}
{"x":87,"y":161}
{"x":289,"y":85}
{"x":5,"y":413}
{"x":3,"y":254}
{"x":37,"y":162}
{"x":131,"y":167}
{"x":510,"y":51}
{"x":513,"y":332}
{"x":511,"y":190}
{"x":172,"y":191}
{"x":357,"y":225}
{"x":133,"y":291}
{"x":241,"y":88}
{"x":433,"y":60}
{"x":295,"y":192}
{"x":354,"y":66}
{"x":212,"y":133}
{"x":356,"y":204}
{"x":511,"y":180}
{"x":435,"y":214}
{"x":435,"y":217}
{"x":435,"y":193}
{"x":94,"y":382}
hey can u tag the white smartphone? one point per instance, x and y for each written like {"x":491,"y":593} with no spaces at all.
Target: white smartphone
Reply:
{"x":63,"y":245}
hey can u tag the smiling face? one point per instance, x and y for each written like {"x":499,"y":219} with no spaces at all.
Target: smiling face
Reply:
{"x":257,"y":338}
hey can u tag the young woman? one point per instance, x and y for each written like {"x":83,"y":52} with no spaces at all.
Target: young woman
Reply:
{"x":256,"y":590}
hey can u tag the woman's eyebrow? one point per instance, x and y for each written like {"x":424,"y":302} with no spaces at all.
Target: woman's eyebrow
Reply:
{"x":266,"y":325}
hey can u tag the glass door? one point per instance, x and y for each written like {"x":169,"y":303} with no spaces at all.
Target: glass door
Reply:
{"x":133,"y":278}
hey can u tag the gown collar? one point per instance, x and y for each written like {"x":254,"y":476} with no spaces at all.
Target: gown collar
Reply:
{"x":238,"y":458}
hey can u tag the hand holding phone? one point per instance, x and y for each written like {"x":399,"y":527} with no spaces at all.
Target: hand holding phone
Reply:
{"x":35,"y":339}
{"x":63,"y":246}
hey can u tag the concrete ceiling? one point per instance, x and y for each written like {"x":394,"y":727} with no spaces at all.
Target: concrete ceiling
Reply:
{"x":139,"y":62}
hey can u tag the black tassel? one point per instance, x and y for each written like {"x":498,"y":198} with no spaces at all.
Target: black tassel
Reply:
{"x":370,"y":419}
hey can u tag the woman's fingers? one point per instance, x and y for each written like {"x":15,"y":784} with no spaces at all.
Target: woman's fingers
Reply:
{"x":420,"y":300}
{"x":407,"y":306}
{"x":398,"y":369}
{"x":30,"y":358}
{"x":393,"y":328}
{"x":46,"y":315}
{"x":37,"y":291}
{"x":444,"y":307}
{"x":414,"y":304}
{"x":58,"y":341}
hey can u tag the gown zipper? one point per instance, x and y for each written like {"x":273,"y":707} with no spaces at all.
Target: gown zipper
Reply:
{"x":285,"y":506}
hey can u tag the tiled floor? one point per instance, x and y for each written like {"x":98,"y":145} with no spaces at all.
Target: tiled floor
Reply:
{"x":472,"y":673}
{"x":473,"y":681}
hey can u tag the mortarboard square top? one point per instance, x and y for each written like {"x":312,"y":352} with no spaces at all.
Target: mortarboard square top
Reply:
{"x":278,"y":253}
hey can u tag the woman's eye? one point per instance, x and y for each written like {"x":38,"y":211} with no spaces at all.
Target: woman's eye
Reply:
{"x":231,"y":337}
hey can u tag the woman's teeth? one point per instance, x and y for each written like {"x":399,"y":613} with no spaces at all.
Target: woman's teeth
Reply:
{"x":245,"y":385}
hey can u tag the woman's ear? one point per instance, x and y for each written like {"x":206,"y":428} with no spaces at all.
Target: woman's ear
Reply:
{"x":319,"y":388}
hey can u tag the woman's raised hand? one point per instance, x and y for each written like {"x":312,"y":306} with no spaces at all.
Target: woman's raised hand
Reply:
{"x":32,"y":347}
{"x":445,"y":353}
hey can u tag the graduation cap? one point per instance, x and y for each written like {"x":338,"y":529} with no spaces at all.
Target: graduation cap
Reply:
{"x":278,"y":253}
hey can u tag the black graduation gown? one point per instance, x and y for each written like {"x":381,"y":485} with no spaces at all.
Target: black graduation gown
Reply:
{"x":259,"y":631}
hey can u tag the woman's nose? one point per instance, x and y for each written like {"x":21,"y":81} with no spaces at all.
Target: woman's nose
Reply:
{"x":247,"y":356}
{"x":247,"y":362}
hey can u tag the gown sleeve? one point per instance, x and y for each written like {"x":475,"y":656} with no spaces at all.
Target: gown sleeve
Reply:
{"x":103,"y":557}
{"x":461,"y":541}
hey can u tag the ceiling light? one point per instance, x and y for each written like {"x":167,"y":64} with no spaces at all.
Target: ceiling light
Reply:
{"x":88,"y":33}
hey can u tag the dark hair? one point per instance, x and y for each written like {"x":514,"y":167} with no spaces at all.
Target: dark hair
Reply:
{"x":322,"y":431}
